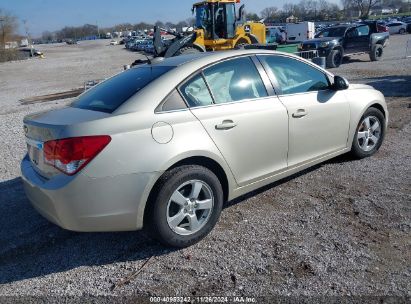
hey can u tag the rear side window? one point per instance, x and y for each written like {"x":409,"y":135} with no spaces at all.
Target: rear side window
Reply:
{"x":235,"y":80}
{"x":363,"y":30}
{"x":173,"y":102}
{"x":196,"y":93}
{"x":111,"y":94}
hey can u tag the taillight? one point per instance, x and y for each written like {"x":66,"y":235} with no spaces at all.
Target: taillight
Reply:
{"x":70,"y":155}
{"x":382,"y":28}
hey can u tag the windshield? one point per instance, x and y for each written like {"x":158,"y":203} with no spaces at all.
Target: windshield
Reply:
{"x":203,"y":17}
{"x":112,"y":93}
{"x":332,"y":32}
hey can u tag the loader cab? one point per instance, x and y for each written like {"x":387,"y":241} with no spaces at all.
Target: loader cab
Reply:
{"x":218,"y":20}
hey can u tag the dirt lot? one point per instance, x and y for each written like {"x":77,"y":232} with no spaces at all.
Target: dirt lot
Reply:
{"x":341,"y":228}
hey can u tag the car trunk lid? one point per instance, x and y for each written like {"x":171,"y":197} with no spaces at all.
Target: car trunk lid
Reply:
{"x":45,"y":126}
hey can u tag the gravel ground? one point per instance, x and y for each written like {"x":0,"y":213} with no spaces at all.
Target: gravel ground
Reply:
{"x":339,"y":229}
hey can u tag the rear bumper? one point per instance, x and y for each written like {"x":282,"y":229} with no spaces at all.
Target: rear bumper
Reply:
{"x":85,"y":204}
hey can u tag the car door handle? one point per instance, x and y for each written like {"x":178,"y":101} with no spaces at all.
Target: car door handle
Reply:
{"x":300,"y":113}
{"x":226,"y":125}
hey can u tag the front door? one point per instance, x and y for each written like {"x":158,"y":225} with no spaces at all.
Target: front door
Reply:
{"x":318,"y":116}
{"x":357,"y":39}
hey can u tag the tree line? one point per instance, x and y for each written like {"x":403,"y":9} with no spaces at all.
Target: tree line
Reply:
{"x":305,"y":10}
{"x":8,"y":26}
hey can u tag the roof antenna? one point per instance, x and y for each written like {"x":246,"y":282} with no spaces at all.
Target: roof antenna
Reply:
{"x":140,"y":61}
{"x":148,"y":59}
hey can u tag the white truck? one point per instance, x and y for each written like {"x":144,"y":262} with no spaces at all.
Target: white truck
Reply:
{"x":298,"y":32}
{"x":24,"y":42}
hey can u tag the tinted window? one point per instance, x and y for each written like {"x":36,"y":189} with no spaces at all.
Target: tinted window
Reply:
{"x":172,"y":103}
{"x":294,"y":76}
{"x":109,"y":95}
{"x":235,"y":80}
{"x":332,"y":32}
{"x":196,"y":93}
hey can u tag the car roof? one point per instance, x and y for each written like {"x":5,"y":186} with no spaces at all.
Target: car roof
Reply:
{"x":208,"y":57}
{"x":338,"y":26}
{"x":184,"y":67}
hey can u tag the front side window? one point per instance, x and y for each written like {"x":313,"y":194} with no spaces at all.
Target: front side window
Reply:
{"x":204,"y":19}
{"x":112,"y":93}
{"x":294,"y":76}
{"x":235,"y":80}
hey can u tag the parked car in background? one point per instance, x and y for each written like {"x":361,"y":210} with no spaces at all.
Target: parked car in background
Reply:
{"x":341,"y":41}
{"x":162,"y":146}
{"x":149,"y":47}
{"x":397,"y":27}
{"x":71,"y":41}
{"x":27,"y":52}
{"x":407,"y":21}
{"x":141,"y":45}
{"x":113,"y":42}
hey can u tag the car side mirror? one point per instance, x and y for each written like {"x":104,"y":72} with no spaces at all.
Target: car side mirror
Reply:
{"x":340,"y":83}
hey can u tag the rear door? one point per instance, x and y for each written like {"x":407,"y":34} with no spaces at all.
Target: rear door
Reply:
{"x":248,"y":125}
{"x":318,"y":116}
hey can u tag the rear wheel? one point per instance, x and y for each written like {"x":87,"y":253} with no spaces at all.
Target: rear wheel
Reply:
{"x":334,"y":59}
{"x":186,"y":208}
{"x":402,"y":31}
{"x":187,"y":51}
{"x":376,"y":52}
{"x":369,"y":135}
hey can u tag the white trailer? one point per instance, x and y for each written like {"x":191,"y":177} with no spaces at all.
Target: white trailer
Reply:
{"x":298,"y":32}
{"x":24,"y":42}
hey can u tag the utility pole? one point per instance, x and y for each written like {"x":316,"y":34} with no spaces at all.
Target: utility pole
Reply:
{"x":3,"y":31}
{"x":26,"y":27}
{"x":98,"y":31}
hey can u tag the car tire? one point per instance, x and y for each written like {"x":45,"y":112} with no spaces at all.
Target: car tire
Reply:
{"x":402,"y":31}
{"x":172,"y":217}
{"x":334,"y":59}
{"x":187,"y":51}
{"x":376,"y":52}
{"x":369,"y":134}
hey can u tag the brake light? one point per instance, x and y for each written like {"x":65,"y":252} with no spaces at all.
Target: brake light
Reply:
{"x":70,"y":155}
{"x":382,"y":28}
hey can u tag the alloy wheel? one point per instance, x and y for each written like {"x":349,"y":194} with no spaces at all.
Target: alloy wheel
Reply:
{"x":369,"y":133}
{"x":190,"y":207}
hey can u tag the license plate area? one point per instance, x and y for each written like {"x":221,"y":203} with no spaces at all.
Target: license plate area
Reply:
{"x":35,"y":152}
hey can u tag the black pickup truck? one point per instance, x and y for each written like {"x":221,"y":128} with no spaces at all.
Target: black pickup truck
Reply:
{"x":337,"y":42}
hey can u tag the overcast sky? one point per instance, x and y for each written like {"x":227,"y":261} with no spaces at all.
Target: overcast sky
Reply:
{"x":51,"y":15}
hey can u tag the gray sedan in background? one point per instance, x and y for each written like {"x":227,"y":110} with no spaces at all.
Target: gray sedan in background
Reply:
{"x":162,"y":146}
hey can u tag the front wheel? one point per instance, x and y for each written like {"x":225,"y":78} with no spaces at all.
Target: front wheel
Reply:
{"x":334,"y":59}
{"x":402,"y":31}
{"x":186,"y":208}
{"x":369,"y":134}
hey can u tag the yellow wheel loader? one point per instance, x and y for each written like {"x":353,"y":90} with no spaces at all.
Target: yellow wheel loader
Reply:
{"x":218,"y":27}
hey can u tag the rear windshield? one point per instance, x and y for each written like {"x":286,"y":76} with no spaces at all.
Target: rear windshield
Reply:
{"x":112,"y":93}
